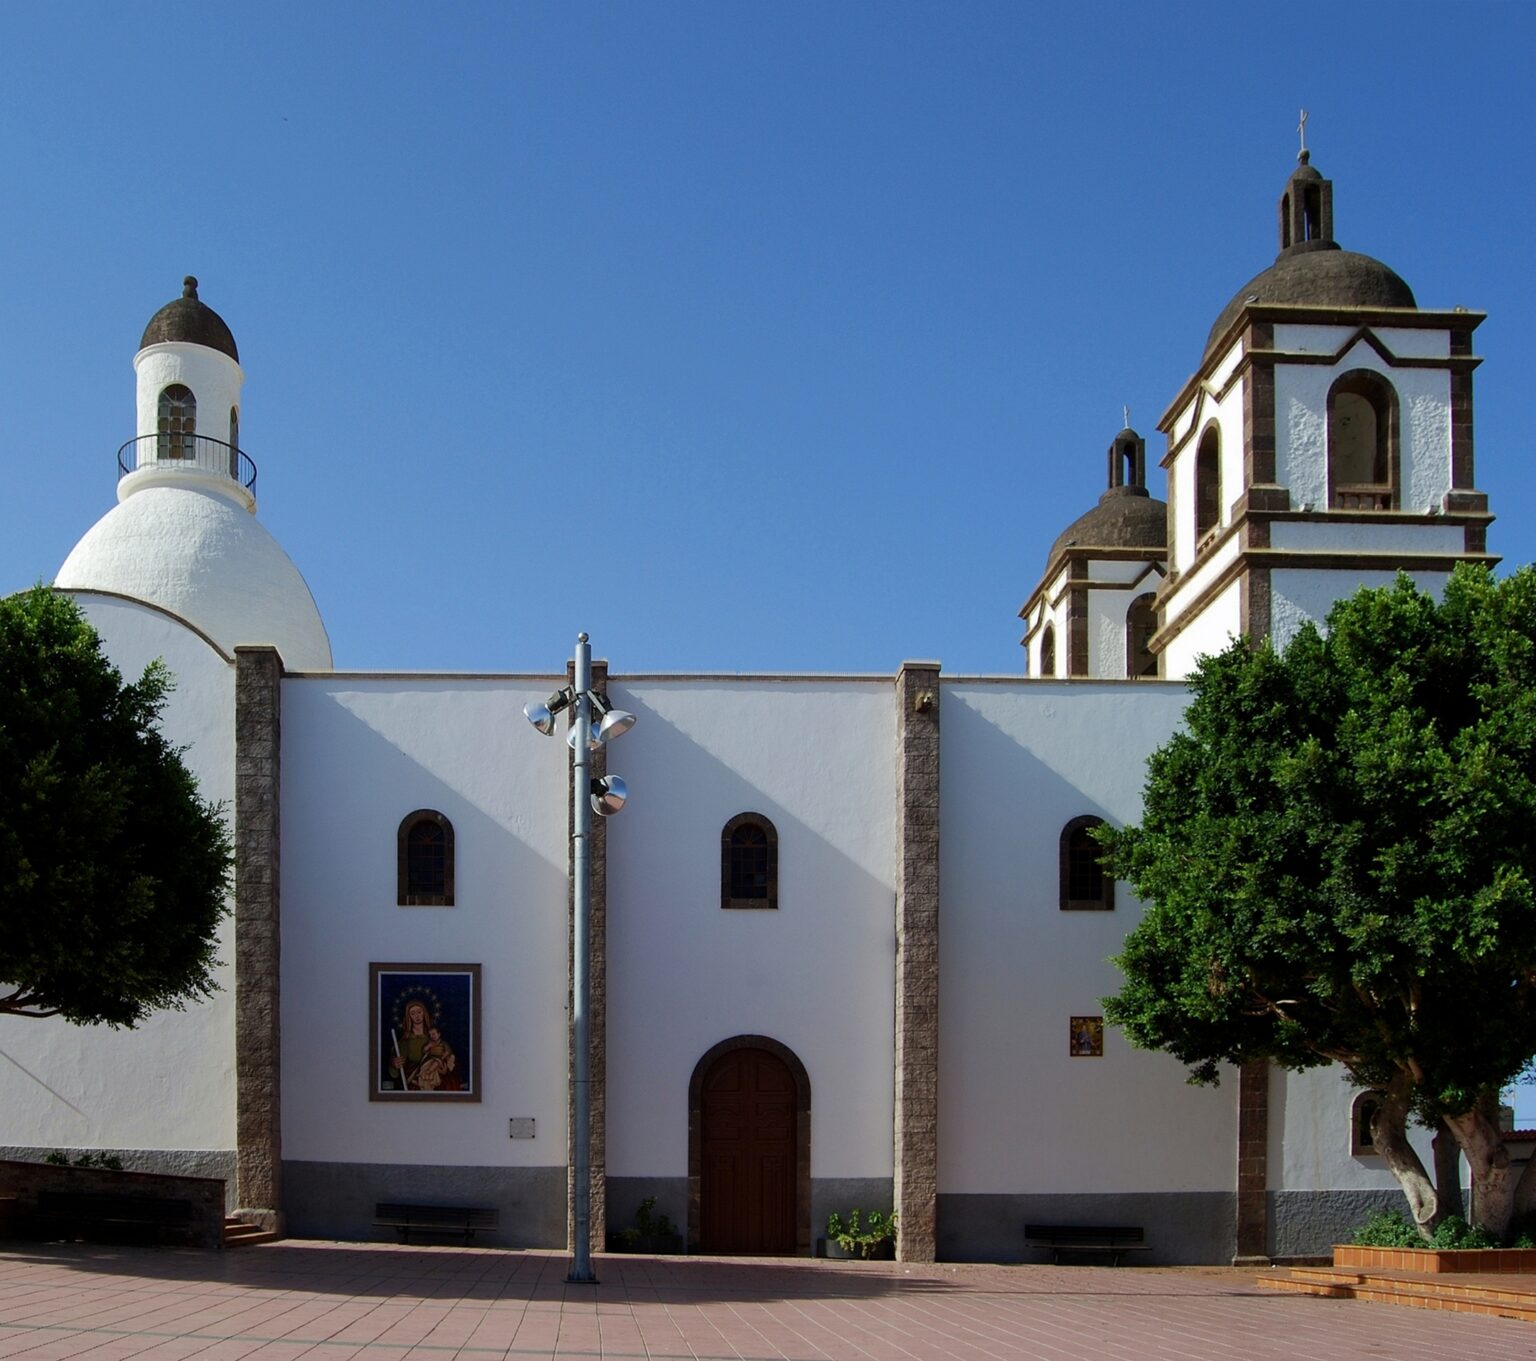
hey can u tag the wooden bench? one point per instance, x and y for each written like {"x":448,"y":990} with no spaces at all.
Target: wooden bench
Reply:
{"x":445,"y":1219}
{"x":1098,"y":1240}
{"x":80,"y":1214}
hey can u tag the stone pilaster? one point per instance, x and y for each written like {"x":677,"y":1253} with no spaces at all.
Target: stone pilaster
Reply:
{"x":916,"y":1189}
{"x":1253,"y":1164}
{"x":597,"y":982}
{"x":258,"y":1053}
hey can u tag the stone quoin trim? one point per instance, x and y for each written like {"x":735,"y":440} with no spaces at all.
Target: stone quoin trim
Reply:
{"x":916,"y":1182}
{"x":802,"y":1133}
{"x":1259,"y":410}
{"x":1253,"y":1163}
{"x":258,"y":1037}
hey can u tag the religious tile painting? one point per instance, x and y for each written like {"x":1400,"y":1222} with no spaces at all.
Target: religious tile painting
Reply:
{"x":1087,"y":1037}
{"x":424,"y":1032}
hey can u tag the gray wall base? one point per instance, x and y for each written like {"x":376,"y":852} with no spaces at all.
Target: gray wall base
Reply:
{"x":172,"y":1162}
{"x":1184,"y":1228}
{"x":336,"y":1200}
{"x":1309,"y":1223}
{"x":626,"y":1193}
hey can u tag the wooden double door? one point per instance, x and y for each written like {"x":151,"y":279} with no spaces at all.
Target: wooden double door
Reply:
{"x":748,"y":1156}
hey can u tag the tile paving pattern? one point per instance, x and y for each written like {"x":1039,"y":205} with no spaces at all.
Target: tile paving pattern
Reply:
{"x":351,"y":1302}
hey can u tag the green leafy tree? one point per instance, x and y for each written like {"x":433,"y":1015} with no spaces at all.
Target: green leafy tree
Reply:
{"x":113,"y":870}
{"x":1338,"y":853}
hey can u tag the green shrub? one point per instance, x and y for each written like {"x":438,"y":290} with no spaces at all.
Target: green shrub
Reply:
{"x":858,"y":1241}
{"x":1387,"y":1229}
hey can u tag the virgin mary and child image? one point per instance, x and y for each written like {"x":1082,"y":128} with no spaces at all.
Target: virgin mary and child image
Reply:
{"x":426,"y":1032}
{"x":422,"y":1060}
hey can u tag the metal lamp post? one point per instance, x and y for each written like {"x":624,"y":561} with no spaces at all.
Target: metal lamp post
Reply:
{"x":588,"y":796}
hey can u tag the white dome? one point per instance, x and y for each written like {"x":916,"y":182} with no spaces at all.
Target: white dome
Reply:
{"x":207,"y":560}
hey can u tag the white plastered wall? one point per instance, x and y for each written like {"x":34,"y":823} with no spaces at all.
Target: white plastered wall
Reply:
{"x":1301,"y":419}
{"x":1296,"y":597}
{"x":1309,"y":1136}
{"x":168,"y":1084}
{"x":358,"y":755}
{"x":816,"y":757}
{"x":1219,"y":622}
{"x":1107,"y":611}
{"x":1016,"y":1113}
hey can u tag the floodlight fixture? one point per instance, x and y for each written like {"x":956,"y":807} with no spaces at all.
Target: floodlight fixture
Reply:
{"x":609,"y":795}
{"x":542,"y":716}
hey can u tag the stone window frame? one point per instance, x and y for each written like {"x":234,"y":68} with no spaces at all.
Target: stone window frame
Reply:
{"x":1361,"y":1145}
{"x":403,"y":896}
{"x":1105,"y":902}
{"x":1141,"y":663}
{"x":770,"y":900}
{"x":1382,"y":395}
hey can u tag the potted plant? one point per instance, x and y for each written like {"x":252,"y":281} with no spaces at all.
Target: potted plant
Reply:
{"x":874,"y":1240}
{"x":649,"y":1233}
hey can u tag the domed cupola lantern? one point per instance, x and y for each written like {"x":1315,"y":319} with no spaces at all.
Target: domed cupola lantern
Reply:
{"x":189,"y":381}
{"x":183,"y":537}
{"x":1092,"y":614}
{"x":1324,"y":442}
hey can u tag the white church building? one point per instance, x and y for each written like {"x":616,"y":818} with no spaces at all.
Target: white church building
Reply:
{"x":831,"y":968}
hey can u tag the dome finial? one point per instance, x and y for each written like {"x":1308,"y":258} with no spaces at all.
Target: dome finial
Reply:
{"x":1304,"y":156}
{"x":189,"y":286}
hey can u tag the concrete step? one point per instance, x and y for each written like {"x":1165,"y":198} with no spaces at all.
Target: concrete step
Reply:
{"x":239,"y":1234}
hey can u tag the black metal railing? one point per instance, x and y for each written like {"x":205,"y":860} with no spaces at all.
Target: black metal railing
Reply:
{"x":186,"y":451}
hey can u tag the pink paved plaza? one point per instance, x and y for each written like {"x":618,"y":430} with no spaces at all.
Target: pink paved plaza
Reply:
{"x":331,"y":1301}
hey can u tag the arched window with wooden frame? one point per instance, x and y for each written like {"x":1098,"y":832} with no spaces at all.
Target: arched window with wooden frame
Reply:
{"x":1207,"y":485}
{"x":1363,"y":456}
{"x":1362,"y":1114}
{"x":177,"y":423}
{"x":749,"y":862}
{"x":1048,"y":651}
{"x":1084,"y":885}
{"x":1140,"y":625}
{"x":425,"y":847}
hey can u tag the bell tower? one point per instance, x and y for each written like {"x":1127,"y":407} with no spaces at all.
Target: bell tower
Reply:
{"x":1324,"y":443}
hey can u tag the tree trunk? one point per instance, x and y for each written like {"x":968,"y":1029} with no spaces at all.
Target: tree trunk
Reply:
{"x":1493,"y":1182}
{"x":1389,"y":1136}
{"x":1448,"y":1173}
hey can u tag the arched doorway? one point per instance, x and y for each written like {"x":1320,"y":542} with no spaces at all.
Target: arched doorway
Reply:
{"x":749,"y":1150}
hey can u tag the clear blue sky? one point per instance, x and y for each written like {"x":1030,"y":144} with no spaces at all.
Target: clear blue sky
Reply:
{"x":747,"y":337}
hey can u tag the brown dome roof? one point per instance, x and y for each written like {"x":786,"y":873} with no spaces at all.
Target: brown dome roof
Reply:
{"x":1318,"y":274}
{"x":189,"y":319}
{"x":1126,"y":517}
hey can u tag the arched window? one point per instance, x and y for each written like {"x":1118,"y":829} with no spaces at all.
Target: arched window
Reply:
{"x":425,"y":855}
{"x":1048,"y":651}
{"x":1084,"y":885}
{"x":234,"y":442}
{"x":178,"y":422}
{"x":1362,"y":443}
{"x":749,"y":862}
{"x":1362,"y":1112}
{"x":1140,"y":625}
{"x":1207,"y":484}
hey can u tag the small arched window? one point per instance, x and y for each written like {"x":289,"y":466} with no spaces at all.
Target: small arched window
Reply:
{"x":1048,"y":651}
{"x":1362,"y":443}
{"x":177,"y":426}
{"x":425,"y":855}
{"x":1362,"y":1112}
{"x":1084,"y":885}
{"x":749,"y":862}
{"x":1140,"y":625}
{"x":1207,"y":484}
